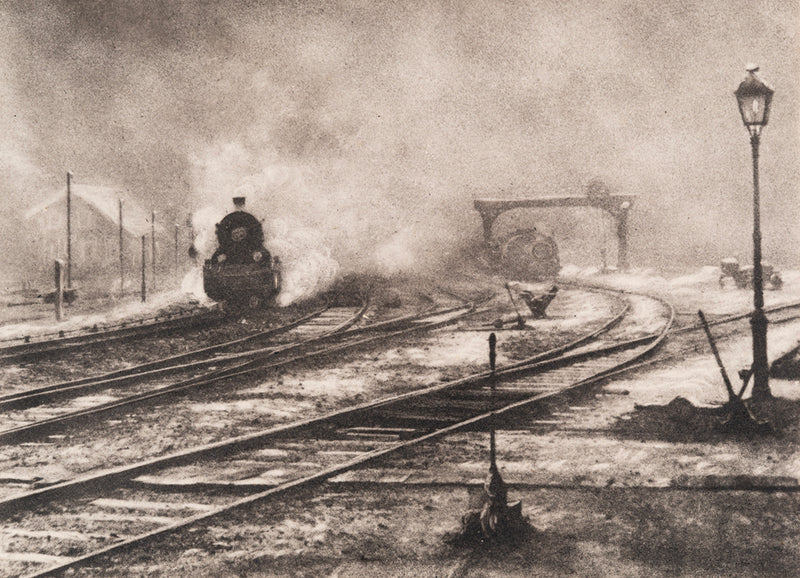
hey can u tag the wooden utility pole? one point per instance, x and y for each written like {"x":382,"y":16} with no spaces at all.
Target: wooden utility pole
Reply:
{"x":192,"y":248}
{"x":153,"y":251}
{"x":59,"y":294}
{"x":144,"y":268}
{"x":69,"y":230}
{"x":121,"y":254}
{"x":176,"y":249}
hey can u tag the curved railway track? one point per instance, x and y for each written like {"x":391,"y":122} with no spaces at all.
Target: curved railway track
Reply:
{"x":684,"y":340}
{"x":119,"y":508}
{"x":317,"y":338}
{"x":306,"y":328}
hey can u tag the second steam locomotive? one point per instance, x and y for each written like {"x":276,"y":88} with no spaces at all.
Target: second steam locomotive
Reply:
{"x":241,"y":271}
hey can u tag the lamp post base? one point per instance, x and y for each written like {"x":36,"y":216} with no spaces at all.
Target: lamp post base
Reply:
{"x":761,"y":390}
{"x":739,"y":420}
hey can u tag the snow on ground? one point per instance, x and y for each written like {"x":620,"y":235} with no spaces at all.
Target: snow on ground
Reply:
{"x":698,"y":288}
{"x":698,"y":378}
{"x":132,"y":308}
{"x":442,"y":350}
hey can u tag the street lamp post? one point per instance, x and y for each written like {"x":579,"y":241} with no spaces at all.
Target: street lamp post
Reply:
{"x":754,"y":97}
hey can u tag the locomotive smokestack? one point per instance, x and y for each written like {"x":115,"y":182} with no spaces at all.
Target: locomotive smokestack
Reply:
{"x":238,"y":203}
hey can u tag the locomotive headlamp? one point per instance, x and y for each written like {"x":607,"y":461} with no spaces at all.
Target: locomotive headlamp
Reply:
{"x":239,"y":234}
{"x":257,"y":256}
{"x":754,"y":97}
{"x":221,"y":258}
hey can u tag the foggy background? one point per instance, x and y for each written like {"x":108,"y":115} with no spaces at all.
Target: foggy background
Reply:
{"x":377,"y":123}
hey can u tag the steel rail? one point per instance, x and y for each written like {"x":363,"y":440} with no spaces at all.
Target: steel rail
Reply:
{"x":723,"y":320}
{"x":161,"y":367}
{"x":697,"y":327}
{"x":79,"y":332}
{"x":739,"y":316}
{"x":533,"y":364}
{"x":12,"y":400}
{"x":209,"y":377}
{"x":127,"y":331}
{"x":255,"y":440}
{"x":23,"y":400}
{"x":250,"y":367}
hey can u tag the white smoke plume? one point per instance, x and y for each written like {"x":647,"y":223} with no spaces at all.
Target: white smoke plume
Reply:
{"x":204,"y":243}
{"x":192,"y":284}
{"x":204,"y":224}
{"x":397,"y":253}
{"x":354,"y":118}
{"x":307,"y":266}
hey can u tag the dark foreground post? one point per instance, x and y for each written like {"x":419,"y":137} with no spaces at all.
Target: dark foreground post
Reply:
{"x":153,"y":249}
{"x":492,"y":352}
{"x":121,"y":254}
{"x":69,"y":230}
{"x":144,"y":269}
{"x":59,"y":296}
{"x":177,"y":230}
{"x":496,"y":519}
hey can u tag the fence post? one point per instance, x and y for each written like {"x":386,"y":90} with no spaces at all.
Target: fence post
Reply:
{"x":144,"y":268}
{"x":69,"y":230}
{"x":59,"y":295}
{"x":177,"y":230}
{"x":153,"y":251}
{"x":121,"y":254}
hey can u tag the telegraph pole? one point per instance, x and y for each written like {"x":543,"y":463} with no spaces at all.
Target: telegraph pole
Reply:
{"x":69,"y":230}
{"x":153,"y":250}
{"x":121,"y":255}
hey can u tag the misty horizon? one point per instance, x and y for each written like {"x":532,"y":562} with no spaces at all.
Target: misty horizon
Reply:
{"x":377,"y":124}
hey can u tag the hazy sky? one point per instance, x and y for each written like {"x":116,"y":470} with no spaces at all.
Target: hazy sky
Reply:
{"x":377,"y":123}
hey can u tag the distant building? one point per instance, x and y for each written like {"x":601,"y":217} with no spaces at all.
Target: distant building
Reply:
{"x":95,"y":236}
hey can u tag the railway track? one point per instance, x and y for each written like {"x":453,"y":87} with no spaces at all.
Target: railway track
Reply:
{"x":690,"y":338}
{"x":312,"y":341}
{"x":33,"y":346}
{"x":305,"y":329}
{"x":45,"y":408}
{"x":128,"y":506}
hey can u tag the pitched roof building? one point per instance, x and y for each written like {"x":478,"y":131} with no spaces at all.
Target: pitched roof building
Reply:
{"x":95,"y":226}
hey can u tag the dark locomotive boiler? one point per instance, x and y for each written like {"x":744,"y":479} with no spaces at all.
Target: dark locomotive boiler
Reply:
{"x":241,"y":272}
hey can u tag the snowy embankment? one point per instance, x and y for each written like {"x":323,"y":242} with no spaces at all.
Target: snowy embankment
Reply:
{"x":40,"y":319}
{"x":698,"y":378}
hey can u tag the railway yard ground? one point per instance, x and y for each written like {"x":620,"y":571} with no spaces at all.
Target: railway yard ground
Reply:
{"x":629,"y":477}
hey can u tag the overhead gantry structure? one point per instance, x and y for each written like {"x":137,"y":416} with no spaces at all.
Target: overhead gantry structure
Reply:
{"x":618,"y":206}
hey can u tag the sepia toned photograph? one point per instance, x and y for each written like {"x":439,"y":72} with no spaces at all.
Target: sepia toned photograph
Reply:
{"x":425,"y":289}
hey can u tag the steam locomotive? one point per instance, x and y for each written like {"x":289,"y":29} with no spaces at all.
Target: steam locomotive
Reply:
{"x":241,"y":271}
{"x":526,"y":254}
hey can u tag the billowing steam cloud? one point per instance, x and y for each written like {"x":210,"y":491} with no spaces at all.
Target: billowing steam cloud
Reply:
{"x":375,"y":124}
{"x":306,"y":264}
